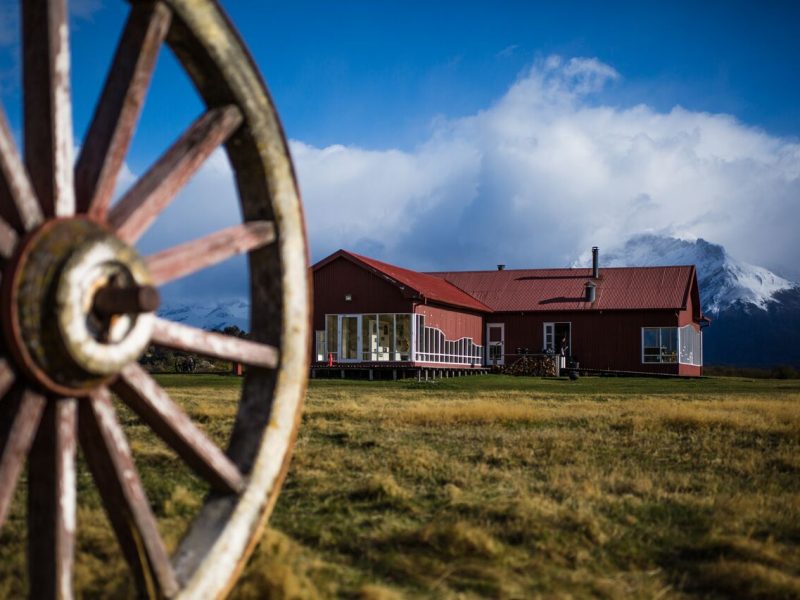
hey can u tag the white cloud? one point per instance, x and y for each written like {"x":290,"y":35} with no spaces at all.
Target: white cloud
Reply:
{"x":545,"y":172}
{"x":535,"y":179}
{"x":507,"y":52}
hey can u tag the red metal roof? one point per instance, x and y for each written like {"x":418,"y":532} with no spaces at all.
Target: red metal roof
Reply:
{"x":525,"y":290}
{"x":621,"y":288}
{"x":428,"y":286}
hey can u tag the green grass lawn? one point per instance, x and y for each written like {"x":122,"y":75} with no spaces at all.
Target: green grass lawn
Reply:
{"x":497,"y":486}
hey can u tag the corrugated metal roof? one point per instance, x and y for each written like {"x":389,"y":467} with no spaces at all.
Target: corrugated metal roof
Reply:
{"x":433,"y":288}
{"x":620,"y":288}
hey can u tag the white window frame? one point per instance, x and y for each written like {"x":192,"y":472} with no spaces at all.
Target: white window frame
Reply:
{"x":660,"y":356}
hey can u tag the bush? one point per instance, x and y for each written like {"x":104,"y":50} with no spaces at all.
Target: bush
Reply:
{"x":776,"y":372}
{"x":785,"y":372}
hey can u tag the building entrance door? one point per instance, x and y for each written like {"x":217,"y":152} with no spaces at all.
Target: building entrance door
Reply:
{"x":349,"y":337}
{"x":495,"y":345}
{"x":558,"y":336}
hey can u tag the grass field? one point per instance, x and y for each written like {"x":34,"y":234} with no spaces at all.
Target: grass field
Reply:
{"x":497,"y":487}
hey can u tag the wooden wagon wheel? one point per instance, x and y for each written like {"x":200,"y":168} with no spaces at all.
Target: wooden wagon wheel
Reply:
{"x":77,"y":300}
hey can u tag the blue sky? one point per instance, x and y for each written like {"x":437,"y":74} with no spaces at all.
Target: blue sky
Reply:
{"x":414,"y":125}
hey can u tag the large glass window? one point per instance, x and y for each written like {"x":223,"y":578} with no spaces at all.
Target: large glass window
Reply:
{"x":369,"y":337}
{"x":332,"y":335}
{"x":691,"y":346}
{"x":385,"y":337}
{"x":320,"y":345}
{"x":660,"y":344}
{"x":349,"y":338}
{"x":403,"y":337}
{"x":391,"y":337}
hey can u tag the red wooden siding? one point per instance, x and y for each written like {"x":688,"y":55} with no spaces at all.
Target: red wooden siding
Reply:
{"x":691,"y":315}
{"x":455,"y":323}
{"x":370,"y":293}
{"x":600,"y":340}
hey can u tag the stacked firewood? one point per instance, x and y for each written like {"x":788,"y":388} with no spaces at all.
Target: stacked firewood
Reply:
{"x":537,"y":365}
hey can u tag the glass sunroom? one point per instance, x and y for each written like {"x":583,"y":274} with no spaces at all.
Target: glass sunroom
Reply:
{"x":391,"y":337}
{"x":673,"y":345}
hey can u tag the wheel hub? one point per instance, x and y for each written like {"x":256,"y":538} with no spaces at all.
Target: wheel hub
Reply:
{"x":59,"y":322}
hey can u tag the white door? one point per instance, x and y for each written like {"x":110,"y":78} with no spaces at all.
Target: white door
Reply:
{"x":349,"y":338}
{"x":495,"y":343}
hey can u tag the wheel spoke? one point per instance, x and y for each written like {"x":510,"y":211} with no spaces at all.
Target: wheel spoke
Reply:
{"x":8,"y":239}
{"x":48,"y":110}
{"x":51,"y":502}
{"x":20,"y":414}
{"x":111,"y":463}
{"x":141,"y":392}
{"x":109,"y":136}
{"x":185,"y":259}
{"x":216,"y":345}
{"x":135,"y":211}
{"x":18,"y":203}
{"x":7,"y":377}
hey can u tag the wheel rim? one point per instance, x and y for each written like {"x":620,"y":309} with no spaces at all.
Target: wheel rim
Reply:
{"x":40,"y":416}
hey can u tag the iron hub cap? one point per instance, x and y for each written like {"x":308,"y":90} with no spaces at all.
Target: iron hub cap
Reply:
{"x":57,"y":326}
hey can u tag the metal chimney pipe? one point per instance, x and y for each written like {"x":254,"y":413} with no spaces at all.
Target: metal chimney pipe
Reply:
{"x":501,"y":267}
{"x":595,"y":265}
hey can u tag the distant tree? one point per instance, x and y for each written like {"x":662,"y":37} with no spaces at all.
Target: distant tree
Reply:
{"x":785,"y":372}
{"x":233,"y":330}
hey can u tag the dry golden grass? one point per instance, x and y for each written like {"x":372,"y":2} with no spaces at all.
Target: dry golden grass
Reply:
{"x":495,"y":487}
{"x":610,"y":490}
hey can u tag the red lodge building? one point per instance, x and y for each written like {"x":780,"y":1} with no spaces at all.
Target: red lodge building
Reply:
{"x":371,"y":314}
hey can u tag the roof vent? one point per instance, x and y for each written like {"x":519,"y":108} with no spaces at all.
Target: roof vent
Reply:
{"x":590,"y":291}
{"x":501,"y":267}
{"x":595,"y":263}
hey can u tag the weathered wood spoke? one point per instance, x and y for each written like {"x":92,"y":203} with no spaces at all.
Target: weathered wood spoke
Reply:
{"x":48,"y":107}
{"x":20,"y":414}
{"x":51,"y":502}
{"x":185,"y":259}
{"x":216,"y":345}
{"x":142,"y":394}
{"x":111,"y":463}
{"x":8,"y":239}
{"x":18,"y":203}
{"x":7,"y":377}
{"x":109,"y":136}
{"x":137,"y":209}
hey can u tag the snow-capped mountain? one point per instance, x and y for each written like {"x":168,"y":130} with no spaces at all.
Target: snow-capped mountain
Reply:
{"x":755,"y":313}
{"x":209,"y":315}
{"x":724,"y":281}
